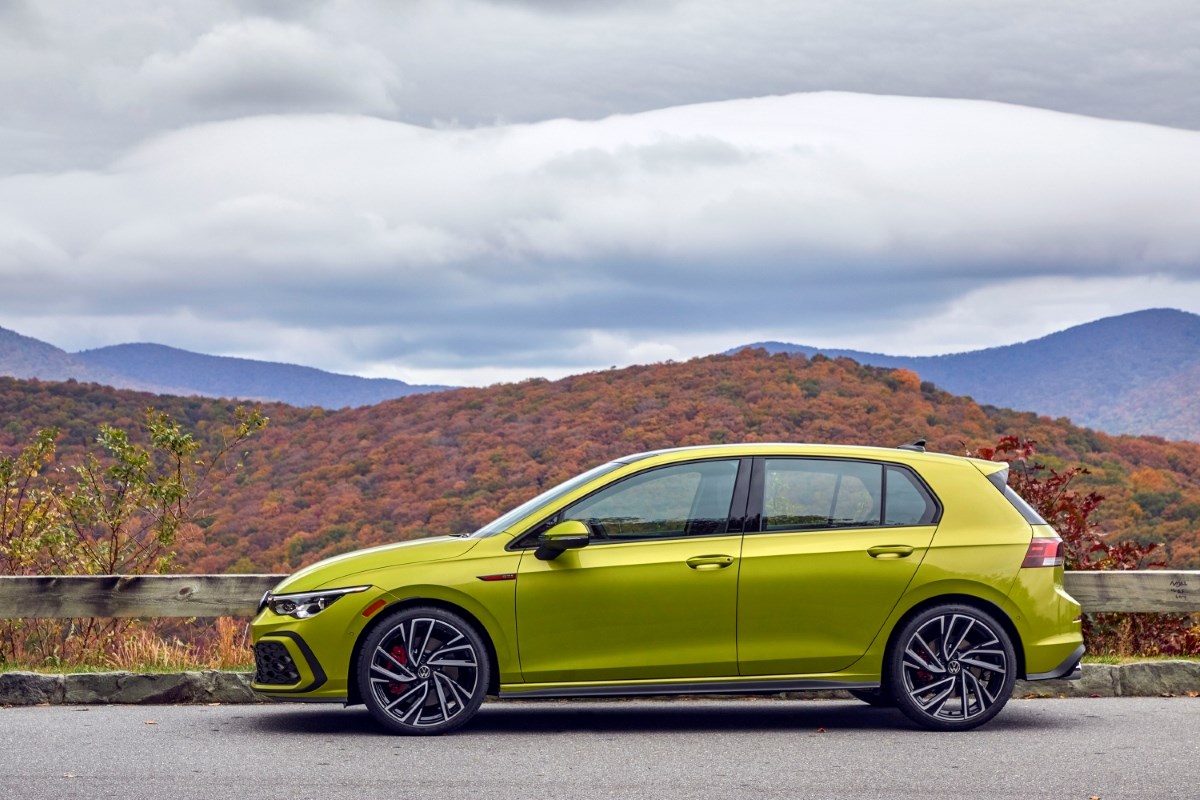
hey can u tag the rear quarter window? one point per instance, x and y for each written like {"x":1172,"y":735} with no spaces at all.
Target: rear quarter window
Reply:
{"x":907,"y":500}
{"x":999,"y":479}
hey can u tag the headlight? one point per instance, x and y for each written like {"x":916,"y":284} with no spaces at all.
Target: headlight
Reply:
{"x":303,"y":605}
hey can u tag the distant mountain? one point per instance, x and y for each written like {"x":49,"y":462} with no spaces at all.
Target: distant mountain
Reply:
{"x":26,"y":357}
{"x":1136,"y":373}
{"x":223,"y":376}
{"x":168,"y":370}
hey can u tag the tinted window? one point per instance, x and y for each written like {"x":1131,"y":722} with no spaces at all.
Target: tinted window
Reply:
{"x":1027,"y":511}
{"x":806,"y":493}
{"x":815,"y":493}
{"x":907,"y":501}
{"x":681,"y":500}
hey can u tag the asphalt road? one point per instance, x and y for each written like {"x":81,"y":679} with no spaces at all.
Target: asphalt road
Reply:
{"x":1113,"y":748}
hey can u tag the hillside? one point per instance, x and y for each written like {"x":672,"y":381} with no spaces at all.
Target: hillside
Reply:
{"x":1136,"y":373}
{"x":319,"y":482}
{"x":168,"y":370}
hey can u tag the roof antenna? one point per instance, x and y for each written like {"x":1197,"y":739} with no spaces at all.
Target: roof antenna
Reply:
{"x":918,"y":446}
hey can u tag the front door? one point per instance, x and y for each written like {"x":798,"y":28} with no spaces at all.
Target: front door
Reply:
{"x":654,"y":593}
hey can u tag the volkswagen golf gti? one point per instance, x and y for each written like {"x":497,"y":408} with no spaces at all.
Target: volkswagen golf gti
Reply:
{"x":912,"y":579}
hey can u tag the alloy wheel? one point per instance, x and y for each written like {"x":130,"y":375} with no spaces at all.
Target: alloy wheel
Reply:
{"x":953,"y":668}
{"x":424,"y":672}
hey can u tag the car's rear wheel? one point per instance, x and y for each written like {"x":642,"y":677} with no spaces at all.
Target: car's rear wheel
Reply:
{"x":423,"y":671}
{"x":952,"y":667}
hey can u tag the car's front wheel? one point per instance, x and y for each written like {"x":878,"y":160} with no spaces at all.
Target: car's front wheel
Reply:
{"x":952,"y":667}
{"x":423,"y":671}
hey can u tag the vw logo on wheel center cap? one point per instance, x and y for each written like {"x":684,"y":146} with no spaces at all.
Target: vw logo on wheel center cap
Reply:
{"x":423,"y":672}
{"x":954,"y":667}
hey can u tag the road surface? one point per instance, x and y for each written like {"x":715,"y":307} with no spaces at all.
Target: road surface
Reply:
{"x":1112,"y":748}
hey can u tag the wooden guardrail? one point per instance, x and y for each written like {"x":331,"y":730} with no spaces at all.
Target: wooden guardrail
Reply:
{"x":1174,"y":591}
{"x":238,"y":595}
{"x":68,"y":596}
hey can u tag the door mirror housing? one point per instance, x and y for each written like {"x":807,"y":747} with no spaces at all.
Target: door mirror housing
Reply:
{"x":566,"y":535}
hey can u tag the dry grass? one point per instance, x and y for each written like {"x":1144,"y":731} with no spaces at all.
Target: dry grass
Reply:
{"x":223,"y":643}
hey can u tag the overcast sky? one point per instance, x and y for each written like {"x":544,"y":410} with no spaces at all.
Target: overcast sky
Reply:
{"x":470,"y":191}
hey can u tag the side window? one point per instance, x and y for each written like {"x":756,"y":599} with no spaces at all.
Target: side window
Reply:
{"x":907,"y":501}
{"x":681,"y":500}
{"x":800,"y":493}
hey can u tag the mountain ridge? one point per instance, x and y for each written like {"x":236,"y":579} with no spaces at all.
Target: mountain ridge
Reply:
{"x":1134,"y":373}
{"x":160,"y":369}
{"x":210,"y":376}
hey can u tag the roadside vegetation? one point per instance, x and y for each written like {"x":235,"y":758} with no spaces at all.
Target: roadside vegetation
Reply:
{"x":1052,"y":493}
{"x":94,"y":487}
{"x":121,"y":509}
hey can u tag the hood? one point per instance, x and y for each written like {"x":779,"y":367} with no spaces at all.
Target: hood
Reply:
{"x":338,"y":571}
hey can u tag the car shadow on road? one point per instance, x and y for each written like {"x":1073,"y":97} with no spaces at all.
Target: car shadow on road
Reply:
{"x":639,"y":717}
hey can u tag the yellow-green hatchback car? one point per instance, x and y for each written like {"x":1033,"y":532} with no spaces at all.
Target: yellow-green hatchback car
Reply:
{"x":909,"y":578}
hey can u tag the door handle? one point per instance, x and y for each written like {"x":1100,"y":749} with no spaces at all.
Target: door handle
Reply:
{"x":890,"y":551}
{"x":709,"y":562}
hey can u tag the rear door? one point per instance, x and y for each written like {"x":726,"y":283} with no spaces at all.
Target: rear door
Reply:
{"x":831,"y":545}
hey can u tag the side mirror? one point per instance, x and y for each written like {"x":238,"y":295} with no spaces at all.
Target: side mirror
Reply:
{"x":566,"y":535}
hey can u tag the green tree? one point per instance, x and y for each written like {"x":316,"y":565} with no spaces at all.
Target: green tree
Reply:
{"x":118,"y":512}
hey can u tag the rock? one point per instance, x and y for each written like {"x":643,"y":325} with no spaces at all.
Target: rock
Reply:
{"x":231,"y":687}
{"x":129,"y":687}
{"x":30,"y":688}
{"x":1098,"y":680}
{"x":1153,"y":678}
{"x":209,"y":686}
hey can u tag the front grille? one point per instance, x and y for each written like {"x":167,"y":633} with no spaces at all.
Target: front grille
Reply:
{"x":273,"y":665}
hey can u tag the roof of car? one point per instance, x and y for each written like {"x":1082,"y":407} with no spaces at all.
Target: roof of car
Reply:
{"x":809,"y":449}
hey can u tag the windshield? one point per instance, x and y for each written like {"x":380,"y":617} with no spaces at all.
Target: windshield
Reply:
{"x":529,"y":506}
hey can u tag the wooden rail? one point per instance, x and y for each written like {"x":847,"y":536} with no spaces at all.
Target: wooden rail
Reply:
{"x":1135,"y":590}
{"x":133,"y":595}
{"x":238,"y":595}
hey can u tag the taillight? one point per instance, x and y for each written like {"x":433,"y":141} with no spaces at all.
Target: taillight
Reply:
{"x":1044,"y":553}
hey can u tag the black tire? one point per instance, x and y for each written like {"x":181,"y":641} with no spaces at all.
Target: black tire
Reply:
{"x":877,"y":698}
{"x":423,"y":671}
{"x":951,"y":668}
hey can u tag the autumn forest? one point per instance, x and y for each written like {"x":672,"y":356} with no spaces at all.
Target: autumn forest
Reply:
{"x":316,"y":483}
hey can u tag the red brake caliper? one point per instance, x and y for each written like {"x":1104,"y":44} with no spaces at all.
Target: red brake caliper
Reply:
{"x":923,"y":676}
{"x":401,"y":655}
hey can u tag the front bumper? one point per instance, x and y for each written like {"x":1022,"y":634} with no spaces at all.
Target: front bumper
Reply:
{"x":310,"y":658}
{"x":285,"y":664}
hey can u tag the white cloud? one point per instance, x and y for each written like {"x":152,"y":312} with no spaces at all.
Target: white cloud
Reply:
{"x":569,"y":244}
{"x":258,"y":65}
{"x":80,"y":81}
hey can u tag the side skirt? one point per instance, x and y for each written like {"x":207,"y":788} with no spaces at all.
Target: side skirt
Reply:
{"x":516,"y":692}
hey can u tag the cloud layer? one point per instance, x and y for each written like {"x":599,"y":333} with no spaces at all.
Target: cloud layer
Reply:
{"x":362,"y":244}
{"x":80,"y":81}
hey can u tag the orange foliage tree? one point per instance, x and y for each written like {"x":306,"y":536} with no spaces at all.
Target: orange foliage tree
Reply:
{"x":1070,"y":511}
